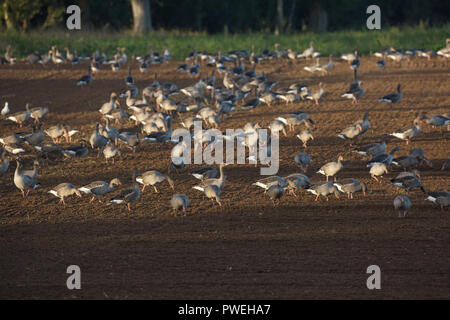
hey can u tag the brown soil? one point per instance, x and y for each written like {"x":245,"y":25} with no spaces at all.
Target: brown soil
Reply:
{"x":247,"y":249}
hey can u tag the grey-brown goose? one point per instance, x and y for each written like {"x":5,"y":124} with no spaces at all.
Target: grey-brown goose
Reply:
{"x":76,"y":151}
{"x":131,"y":140}
{"x":393,"y":98}
{"x":419,"y":154}
{"x":97,"y":140}
{"x":38,"y":113}
{"x":275,"y":192}
{"x":351,"y":186}
{"x":384,"y":157}
{"x":111,"y":151}
{"x":179,"y":202}
{"x":317,"y":95}
{"x":109,"y":106}
{"x":152,"y":178}
{"x":128,"y":196}
{"x":32,"y":173}
{"x":351,"y":132}
{"x":56,"y":132}
{"x":377,"y":170}
{"x":408,"y":182}
{"x":64,"y":190}
{"x":442,"y":201}
{"x":36,"y":137}
{"x":305,"y":136}
{"x":206,"y":173}
{"x":407,"y":133}
{"x":219,"y":182}
{"x":21,"y":117}
{"x":364,"y":123}
{"x":11,"y":139}
{"x":100,"y":188}
{"x":297,"y":181}
{"x":23,"y":182}
{"x":332,"y":168}
{"x":213,"y":192}
{"x":407,"y":162}
{"x":373,"y":149}
{"x":303,"y":160}
{"x":268,"y":182}
{"x":324,"y":189}
{"x":355,"y":94}
{"x":403,"y":204}
{"x":4,"y":162}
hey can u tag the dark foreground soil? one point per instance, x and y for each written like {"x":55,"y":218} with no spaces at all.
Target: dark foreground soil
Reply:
{"x":247,"y":249}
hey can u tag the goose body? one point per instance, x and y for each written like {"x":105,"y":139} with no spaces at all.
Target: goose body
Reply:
{"x":323,"y":189}
{"x":332,"y":168}
{"x":377,"y":170}
{"x":393,"y":98}
{"x":408,"y":133}
{"x":303,"y":160}
{"x":403,"y":204}
{"x":127,"y":196}
{"x":152,"y":178}
{"x":372,"y":149}
{"x":99,"y":188}
{"x":179,"y":202}
{"x":442,"y":201}
{"x":63,"y":190}
{"x":385,"y":158}
{"x":24,"y":182}
{"x":351,"y":186}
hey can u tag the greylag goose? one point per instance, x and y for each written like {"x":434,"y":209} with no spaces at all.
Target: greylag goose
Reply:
{"x":305,"y":136}
{"x":407,"y":162}
{"x":206,"y":173}
{"x":437,"y":120}
{"x":179,"y":202}
{"x":355,"y":62}
{"x":111,"y":151}
{"x":384,"y":157}
{"x":36,"y":137}
{"x":24,"y":182}
{"x":219,"y":182}
{"x":407,"y":133}
{"x":128,"y":196}
{"x":355,"y":94}
{"x":351,"y":132}
{"x":419,"y":154}
{"x":64,"y":190}
{"x":403,"y":204}
{"x":317,"y":95}
{"x":129,"y":80}
{"x":393,"y":98}
{"x":21,"y":117}
{"x":109,"y":106}
{"x":97,"y":140}
{"x":296,"y":119}
{"x":11,"y":139}
{"x":86,"y":79}
{"x":100,"y":188}
{"x":131,"y":140}
{"x":377,"y":170}
{"x":442,"y":201}
{"x":332,"y":168}
{"x":268,"y":182}
{"x":32,"y":173}
{"x":152,"y":178}
{"x":110,"y":133}
{"x":303,"y":160}
{"x":56,"y":132}
{"x":38,"y":113}
{"x":297,"y":181}
{"x":373,"y":149}
{"x":323,"y":189}
{"x":5,"y":110}
{"x":445,"y":165}
{"x":408,"y":182}
{"x":4,"y":162}
{"x":77,"y":151}
{"x":351,"y":186}
{"x":277,"y":125}
{"x":275,"y":192}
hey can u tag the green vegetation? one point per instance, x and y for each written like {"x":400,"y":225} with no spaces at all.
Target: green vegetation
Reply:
{"x":181,"y":43}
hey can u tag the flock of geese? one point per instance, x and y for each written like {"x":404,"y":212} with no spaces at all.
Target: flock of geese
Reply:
{"x":211,"y":101}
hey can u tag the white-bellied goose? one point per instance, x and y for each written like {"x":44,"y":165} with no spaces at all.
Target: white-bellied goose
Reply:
{"x":152,"y":178}
{"x":21,"y":117}
{"x":128,"y":196}
{"x":437,"y":120}
{"x":97,"y":140}
{"x":317,"y":95}
{"x":275,"y":192}
{"x":131,"y":140}
{"x":407,"y":133}
{"x":206,"y":173}
{"x":110,"y":152}
{"x":64,"y":190}
{"x":332,"y":168}
{"x":303,"y":160}
{"x":408,"y":182}
{"x":129,"y":80}
{"x":355,"y":94}
{"x":373,"y":149}
{"x":179,"y":202}
{"x":393,"y":98}
{"x":24,"y":182}
{"x":76,"y":151}
{"x":56,"y":132}
{"x":297,"y":181}
{"x":377,"y":170}
{"x":442,"y":201}
{"x":4,"y":162}
{"x":36,"y":137}
{"x":219,"y":182}
{"x":38,"y":113}
{"x":5,"y":110}
{"x":109,"y":106}
{"x":351,"y":132}
{"x":267,"y":182}
{"x":403,"y":204}
{"x":324,"y":189}
{"x":277,"y":125}
{"x":212,"y":192}
{"x":351,"y":186}
{"x":100,"y":188}
{"x":86,"y":79}
{"x":305,"y":136}
{"x":384,"y":157}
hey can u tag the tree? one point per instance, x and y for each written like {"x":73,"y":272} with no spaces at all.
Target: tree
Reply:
{"x":142,"y":20}
{"x":279,"y":27}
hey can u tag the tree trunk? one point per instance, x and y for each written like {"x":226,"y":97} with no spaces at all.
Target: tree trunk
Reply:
{"x":318,"y":18}
{"x":9,"y":23}
{"x":279,"y":28}
{"x":291,"y":16}
{"x":141,"y":16}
